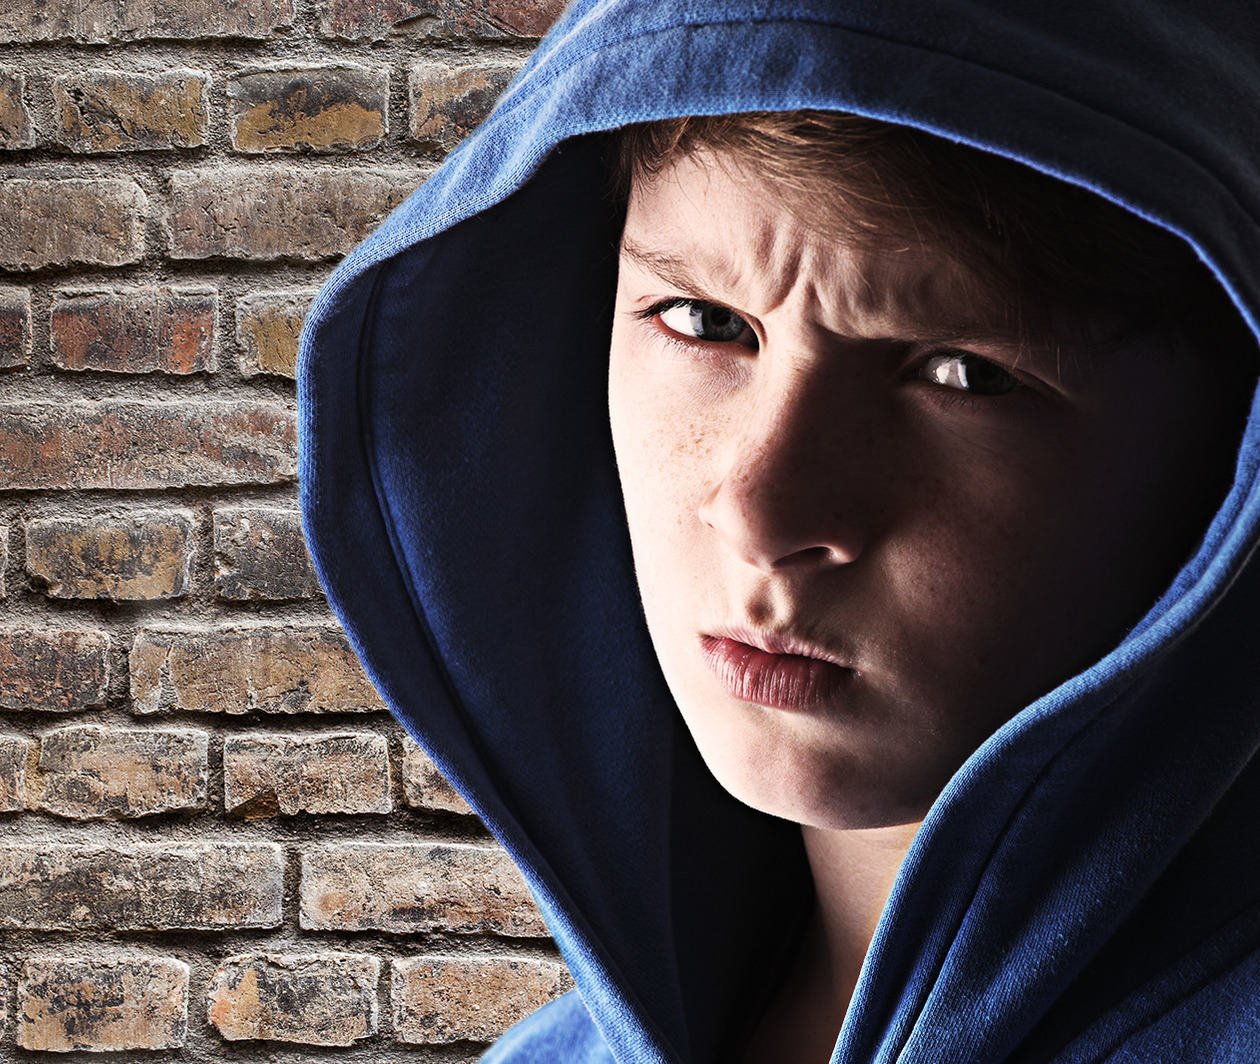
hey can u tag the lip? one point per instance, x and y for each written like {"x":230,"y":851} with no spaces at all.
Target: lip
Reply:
{"x":774,"y":669}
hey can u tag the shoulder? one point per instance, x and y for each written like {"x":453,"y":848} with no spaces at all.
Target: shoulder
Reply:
{"x":561,"y":1030}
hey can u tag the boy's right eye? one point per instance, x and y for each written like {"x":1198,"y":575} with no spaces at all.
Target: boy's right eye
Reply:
{"x":707,"y":322}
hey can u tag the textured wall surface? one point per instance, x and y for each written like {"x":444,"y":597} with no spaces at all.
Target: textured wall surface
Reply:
{"x":214,"y":842}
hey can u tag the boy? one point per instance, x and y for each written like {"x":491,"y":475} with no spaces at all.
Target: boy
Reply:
{"x":939,"y":544}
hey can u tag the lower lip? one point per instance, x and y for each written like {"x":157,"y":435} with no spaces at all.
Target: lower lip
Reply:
{"x":783,"y":681}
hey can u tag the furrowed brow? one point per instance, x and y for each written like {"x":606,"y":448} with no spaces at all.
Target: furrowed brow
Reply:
{"x":673,"y":269}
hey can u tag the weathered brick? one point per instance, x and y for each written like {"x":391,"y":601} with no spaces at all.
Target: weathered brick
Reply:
{"x":260,"y":555}
{"x":15,"y":327}
{"x":447,"y":102}
{"x":96,"y":221}
{"x":267,"y":329}
{"x":135,"y":330}
{"x":424,"y":786}
{"x":487,"y":19}
{"x":102,"y":1004}
{"x":409,"y":887}
{"x":4,"y":559}
{"x":320,"y":999}
{"x":135,"y":556}
{"x":58,"y":671}
{"x":115,"y":110}
{"x":16,"y":130}
{"x":249,"y":670}
{"x":101,"y":21}
{"x":269,"y":775}
{"x":125,"y":444}
{"x":474,"y":998}
{"x":15,"y":751}
{"x":88,"y":772}
{"x":153,"y":886}
{"x":270,"y":213}
{"x":338,"y":107}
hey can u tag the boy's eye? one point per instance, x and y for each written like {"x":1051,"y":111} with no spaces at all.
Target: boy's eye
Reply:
{"x":706,"y":321}
{"x":968,"y":373}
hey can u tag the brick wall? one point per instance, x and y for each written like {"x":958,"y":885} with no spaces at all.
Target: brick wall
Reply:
{"x":214,"y":842}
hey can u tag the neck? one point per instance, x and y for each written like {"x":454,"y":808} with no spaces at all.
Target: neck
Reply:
{"x":853,"y":875}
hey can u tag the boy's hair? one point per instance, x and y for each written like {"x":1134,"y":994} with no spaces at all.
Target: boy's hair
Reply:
{"x":1037,"y":246}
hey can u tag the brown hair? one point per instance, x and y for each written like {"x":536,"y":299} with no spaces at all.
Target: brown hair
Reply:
{"x":1041,"y":246}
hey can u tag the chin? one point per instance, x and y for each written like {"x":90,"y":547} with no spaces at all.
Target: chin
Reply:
{"x":759,"y":758}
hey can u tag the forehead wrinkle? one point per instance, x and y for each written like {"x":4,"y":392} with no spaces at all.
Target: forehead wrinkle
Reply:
{"x":770,"y":256}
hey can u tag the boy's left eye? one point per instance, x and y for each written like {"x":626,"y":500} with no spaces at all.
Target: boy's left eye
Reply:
{"x":968,"y":373}
{"x":709,"y":322}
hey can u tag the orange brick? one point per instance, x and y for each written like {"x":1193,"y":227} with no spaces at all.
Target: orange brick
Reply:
{"x":469,"y":998}
{"x":16,"y":130}
{"x":448,"y":102}
{"x":113,"y":110}
{"x":124,"y":444}
{"x":408,"y":887}
{"x":135,"y":330}
{"x":321,"y":999}
{"x":327,"y":108}
{"x":295,"y":669}
{"x":102,"y":1003}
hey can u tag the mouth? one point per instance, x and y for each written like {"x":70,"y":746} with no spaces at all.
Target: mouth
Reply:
{"x":774,"y":670}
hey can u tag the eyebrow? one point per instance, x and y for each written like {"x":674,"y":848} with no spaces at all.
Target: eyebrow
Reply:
{"x":676,"y":270}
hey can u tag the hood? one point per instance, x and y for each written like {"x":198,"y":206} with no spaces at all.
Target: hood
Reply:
{"x":462,"y":507}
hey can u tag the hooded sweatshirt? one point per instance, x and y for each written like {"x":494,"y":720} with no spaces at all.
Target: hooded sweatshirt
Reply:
{"x":1087,"y":886}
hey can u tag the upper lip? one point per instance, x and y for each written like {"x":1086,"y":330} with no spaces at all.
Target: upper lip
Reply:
{"x":780,"y":641}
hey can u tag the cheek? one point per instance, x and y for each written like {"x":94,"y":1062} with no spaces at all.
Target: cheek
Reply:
{"x":661,"y":448}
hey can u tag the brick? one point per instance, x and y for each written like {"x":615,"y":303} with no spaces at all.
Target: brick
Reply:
{"x":341,"y":107}
{"x":50,"y":670}
{"x":95,"y":221}
{"x":267,"y":329}
{"x":102,"y":1004}
{"x":407,"y":887}
{"x":208,"y":885}
{"x":136,"y":556}
{"x":89,"y":772}
{"x":16,"y":130}
{"x":266,"y":213}
{"x":4,"y":559}
{"x":320,"y":999}
{"x":15,"y":752}
{"x":447,"y":103}
{"x":102,"y":21}
{"x":114,"y":110}
{"x":15,"y":327}
{"x":269,"y":775}
{"x":135,"y":330}
{"x":424,"y":786}
{"x":138,"y":445}
{"x":260,"y":556}
{"x":249,"y":670}
{"x":485,"y":19}
{"x":473,"y":998}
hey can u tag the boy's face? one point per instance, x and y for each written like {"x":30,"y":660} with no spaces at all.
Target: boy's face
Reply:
{"x":830,"y":449}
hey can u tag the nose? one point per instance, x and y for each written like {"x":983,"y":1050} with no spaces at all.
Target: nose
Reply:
{"x":791,"y":486}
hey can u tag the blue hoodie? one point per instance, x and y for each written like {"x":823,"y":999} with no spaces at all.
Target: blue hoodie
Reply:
{"x":1087,"y":886}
